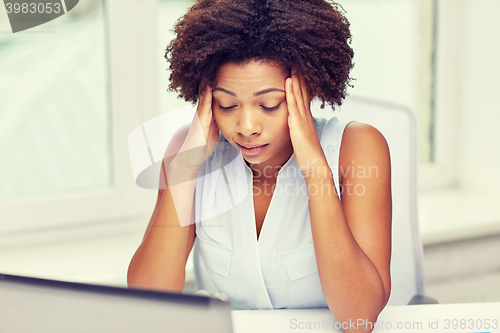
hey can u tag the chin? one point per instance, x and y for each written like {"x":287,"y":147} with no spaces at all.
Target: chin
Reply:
{"x":254,"y":160}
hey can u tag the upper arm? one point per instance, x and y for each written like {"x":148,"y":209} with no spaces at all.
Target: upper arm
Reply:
{"x":173,"y":148}
{"x":365,"y":173}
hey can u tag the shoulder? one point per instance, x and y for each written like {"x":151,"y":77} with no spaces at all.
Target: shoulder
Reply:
{"x":363,"y":145}
{"x":361,"y":134}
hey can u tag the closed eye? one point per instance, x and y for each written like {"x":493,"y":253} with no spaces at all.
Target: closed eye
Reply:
{"x":272,"y":108}
{"x":226,"y":107}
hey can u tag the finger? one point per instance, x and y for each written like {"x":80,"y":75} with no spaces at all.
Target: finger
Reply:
{"x":307,"y":99}
{"x":298,"y":94}
{"x":297,"y":89}
{"x":208,"y":97}
{"x":205,"y":105}
{"x":305,"y":93}
{"x":200,"y":127}
{"x":290,"y":98}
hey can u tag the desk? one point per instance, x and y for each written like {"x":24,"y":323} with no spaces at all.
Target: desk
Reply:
{"x":435,"y":318}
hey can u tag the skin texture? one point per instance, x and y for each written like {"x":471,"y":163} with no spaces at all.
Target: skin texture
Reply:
{"x":246,"y":121}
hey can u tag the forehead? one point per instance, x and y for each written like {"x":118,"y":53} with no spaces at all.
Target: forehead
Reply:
{"x":251,"y":73}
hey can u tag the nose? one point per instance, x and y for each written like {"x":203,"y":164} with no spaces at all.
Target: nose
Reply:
{"x":249,"y":123}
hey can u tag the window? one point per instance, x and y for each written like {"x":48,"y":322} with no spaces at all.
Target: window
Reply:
{"x":169,"y":12}
{"x":393,"y":42}
{"x":402,"y":54}
{"x":55,"y":135}
{"x":459,"y":191}
{"x":71,"y":92}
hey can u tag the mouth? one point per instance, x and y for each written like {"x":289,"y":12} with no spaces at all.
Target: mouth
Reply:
{"x":252,"y":149}
{"x":251,"y":146}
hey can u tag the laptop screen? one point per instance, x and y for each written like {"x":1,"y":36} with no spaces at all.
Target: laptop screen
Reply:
{"x":30,"y":305}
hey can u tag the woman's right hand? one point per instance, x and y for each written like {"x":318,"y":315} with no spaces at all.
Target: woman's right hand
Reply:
{"x":203,"y":135}
{"x":207,"y":120}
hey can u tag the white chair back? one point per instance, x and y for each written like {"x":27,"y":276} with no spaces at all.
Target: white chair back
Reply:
{"x":399,"y":126}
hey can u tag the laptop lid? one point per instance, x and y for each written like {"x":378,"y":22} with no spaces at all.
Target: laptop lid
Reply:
{"x":30,"y":305}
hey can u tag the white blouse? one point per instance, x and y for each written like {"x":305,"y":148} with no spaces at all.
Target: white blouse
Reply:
{"x":279,"y":269}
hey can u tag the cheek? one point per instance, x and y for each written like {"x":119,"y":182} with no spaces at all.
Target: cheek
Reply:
{"x":280,"y":129}
{"x":285,"y":130}
{"x":284,"y":121}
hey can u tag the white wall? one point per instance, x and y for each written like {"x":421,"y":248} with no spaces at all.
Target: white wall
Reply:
{"x":460,"y":199}
{"x":479,"y":104}
{"x":474,"y":69}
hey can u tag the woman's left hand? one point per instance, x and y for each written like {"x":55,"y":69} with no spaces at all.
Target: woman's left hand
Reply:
{"x":306,"y":146}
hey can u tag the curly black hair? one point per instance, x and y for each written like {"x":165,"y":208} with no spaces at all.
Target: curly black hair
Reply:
{"x":310,"y":36}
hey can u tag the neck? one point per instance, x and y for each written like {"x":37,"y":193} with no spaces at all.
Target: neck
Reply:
{"x":267,"y":172}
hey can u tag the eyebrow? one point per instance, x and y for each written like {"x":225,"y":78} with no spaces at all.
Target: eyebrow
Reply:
{"x":265,"y":91}
{"x":262,"y":92}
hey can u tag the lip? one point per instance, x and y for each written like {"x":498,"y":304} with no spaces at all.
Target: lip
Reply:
{"x":250,"y":146}
{"x":252,"y":149}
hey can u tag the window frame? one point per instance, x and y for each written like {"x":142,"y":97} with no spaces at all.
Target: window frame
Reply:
{"x":134,"y":100}
{"x":451,"y":208}
{"x":133,"y":97}
{"x":442,"y":173}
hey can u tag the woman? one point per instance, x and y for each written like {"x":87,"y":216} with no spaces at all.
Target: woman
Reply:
{"x":271,"y":237}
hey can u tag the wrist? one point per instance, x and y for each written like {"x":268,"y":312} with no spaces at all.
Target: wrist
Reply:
{"x":181,"y":171}
{"x":316,"y":171}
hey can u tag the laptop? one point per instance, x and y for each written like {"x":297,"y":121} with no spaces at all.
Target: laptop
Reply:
{"x":29,"y":305}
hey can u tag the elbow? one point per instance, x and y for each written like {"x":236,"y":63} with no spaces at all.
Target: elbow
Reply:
{"x":133,"y":276}
{"x":140,"y":279}
{"x":361,"y":324}
{"x":373,"y":317}
{"x":382,"y":292}
{"x":387,"y":294}
{"x":363,"y":315}
{"x":133,"y":280}
{"x":383,"y":298}
{"x":142,"y":282}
